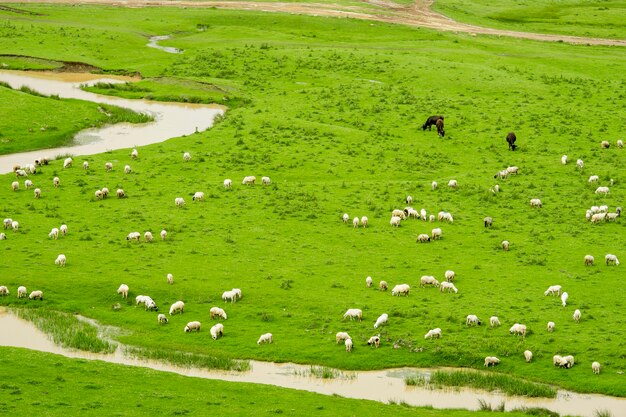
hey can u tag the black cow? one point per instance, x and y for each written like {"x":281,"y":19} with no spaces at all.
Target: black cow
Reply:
{"x":432,"y":120}
{"x":440,"y":130}
{"x":511,"y":138}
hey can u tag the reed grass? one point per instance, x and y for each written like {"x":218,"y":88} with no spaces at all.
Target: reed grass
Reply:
{"x":187,"y":359}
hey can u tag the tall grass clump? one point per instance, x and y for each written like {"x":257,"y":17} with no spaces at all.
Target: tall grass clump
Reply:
{"x":187,"y":359}
{"x":491,"y":382}
{"x":67,"y":330}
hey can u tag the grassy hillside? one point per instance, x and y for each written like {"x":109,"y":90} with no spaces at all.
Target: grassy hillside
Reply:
{"x":332,"y":115}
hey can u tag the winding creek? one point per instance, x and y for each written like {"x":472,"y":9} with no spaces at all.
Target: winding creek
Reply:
{"x":171,"y":119}
{"x":383,"y":386}
{"x":154,"y":43}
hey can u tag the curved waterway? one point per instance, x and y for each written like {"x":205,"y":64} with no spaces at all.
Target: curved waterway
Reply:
{"x":170,"y":119}
{"x":154,"y":43}
{"x":384,"y":386}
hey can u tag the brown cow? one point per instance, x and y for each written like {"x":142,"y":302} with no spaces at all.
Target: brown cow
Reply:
{"x":440,"y":130}
{"x":511,"y":138}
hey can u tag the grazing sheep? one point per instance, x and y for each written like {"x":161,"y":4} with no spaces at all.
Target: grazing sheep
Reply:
{"x":123,"y":289}
{"x":579,"y":163}
{"x":3,"y":236}
{"x":589,"y":260}
{"x":364,"y":221}
{"x":98,"y":194}
{"x":237,"y":292}
{"x":491,"y":361}
{"x":494,"y":321}
{"x":535,"y":202}
{"x":512,"y":170}
{"x":381,"y":320}
{"x":611,"y":259}
{"x":127,"y":169}
{"x":383,"y":286}
{"x":15,"y":226}
{"x":411,"y":212}
{"x":177,"y":307}
{"x":163,"y":234}
{"x":564,"y":159}
{"x":21,"y":173}
{"x":518,"y":329}
{"x":551,"y":326}
{"x":194,"y":326}
{"x":217,"y":331}
{"x":21,"y":291}
{"x":564,"y":298}
{"x":472,"y":320}
{"x":4,"y":290}
{"x":434,"y":185}
{"x":105,"y":192}
{"x":7,"y":223}
{"x":353,"y":313}
{"x":229,"y":296}
{"x":595,"y":367}
{"x":401,"y":289}
{"x":422,"y":238}
{"x":423,"y":215}
{"x":133,"y":236}
{"x":602,"y":190}
{"x":85,"y":165}
{"x":611,"y":217}
{"x":15,"y":185}
{"x":198,"y":196}
{"x":593,"y":178}
{"x":436,"y":234}
{"x":453,"y":184}
{"x":398,"y":213}
{"x":179,"y":202}
{"x":134,"y":154}
{"x":149,"y":304}
{"x":502,"y":174}
{"x":141,"y":299}
{"x":345,"y":218}
{"x":266,"y":180}
{"x":374,"y":341}
{"x":54,"y":233}
{"x":355,"y":222}
{"x":605,"y":144}
{"x":162,"y":319}
{"x":60,"y":260}
{"x":108,"y":166}
{"x":228,"y":183}
{"x":186,"y":157}
{"x":552,"y":290}
{"x":148,"y":237}
{"x":30,"y":169}
{"x":495,"y":189}
{"x":120,"y":193}
{"x":448,"y":286}
{"x":557,"y":359}
{"x":265,"y":338}
{"x":37,"y":193}
{"x":564,"y":361}
{"x":505,"y":245}
{"x":56,"y":182}
{"x":395,"y":221}
{"x":450,"y":275}
{"x":433,"y":334}
{"x":431,"y":218}
{"x":249,"y":180}
{"x":341,"y":336}
{"x":576,"y":315}
{"x":170,"y":279}
{"x":408,"y":199}
{"x":528,"y":355}
{"x":488,"y":221}
{"x":598,"y":217}
{"x":348,"y":344}
{"x":67,"y":163}
{"x":620,"y":143}
{"x":28,"y":184}
{"x":428,"y":280}
{"x":36,"y":295}
{"x":217,"y":312}
{"x":368,"y":282}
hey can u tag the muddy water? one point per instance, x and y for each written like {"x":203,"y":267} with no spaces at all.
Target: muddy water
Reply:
{"x":383,"y":386}
{"x":154,"y":43}
{"x":171,"y":119}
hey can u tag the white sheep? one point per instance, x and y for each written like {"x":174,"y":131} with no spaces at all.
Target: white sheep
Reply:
{"x":217,"y":331}
{"x":434,"y":185}
{"x":602,"y":190}
{"x":620,"y":143}
{"x":21,"y":291}
{"x":576,"y":315}
{"x":30,"y":168}
{"x":229,"y":296}
{"x":491,"y":361}
{"x":401,"y":289}
{"x":434,"y":333}
{"x":120,"y":193}
{"x":611,"y":259}
{"x":472,"y":320}
{"x":564,"y":159}
{"x":98,"y":195}
{"x":595,"y":367}
{"x":60,"y":260}
{"x":179,"y":202}
{"x":605,"y":144}
{"x":512,"y":170}
{"x":162,"y":319}
{"x":395,"y":221}
{"x":194,"y":326}
{"x":355,"y":222}
{"x":453,"y":184}
{"x":598,"y":217}
{"x":141,"y":299}
{"x":85,"y":165}
{"x":54,"y":233}
{"x":411,"y":212}
{"x":3,"y":236}
{"x":593,"y":178}
{"x":552,"y":290}
{"x":345,"y":218}
{"x":368,"y":282}
{"x":237,"y":293}
{"x":108,"y":166}
{"x":148,"y":236}
{"x":133,"y":236}
{"x":423,"y":214}
{"x":579,"y":163}
{"x":163,"y":234}
{"x":28,"y":184}
{"x":535,"y":202}
{"x":37,"y":192}
{"x":564,"y":298}
{"x":249,"y":180}
{"x":428,"y":280}
{"x":341,"y":336}
{"x":518,"y":329}
{"x":134,"y":154}
{"x":21,"y":173}
{"x":56,"y":181}
{"x":551,"y":326}
{"x":431,"y":218}
{"x":381,"y":320}
{"x":494,"y":321}
{"x":4,"y":290}
{"x":177,"y":307}
{"x":127,"y":169}
{"x":502,"y":174}
{"x":170,"y":279}
{"x":398,"y":213}
{"x":450,"y":275}
{"x":228,"y":183}
{"x":15,"y":226}
{"x":382,"y":285}
{"x":67,"y":163}
{"x":557,"y":359}
{"x":149,"y":304}
{"x":186,"y":157}
{"x":7,"y":223}
{"x":348,"y":344}
{"x":447,"y":286}
{"x":105,"y":192}
{"x":123,"y":289}
{"x":217,"y":312}
{"x":15,"y":185}
{"x":505,"y":245}
{"x":198,"y":196}
{"x":266,"y":180}
{"x":436,"y":234}
{"x":364,"y":221}
{"x":265,"y":338}
{"x":611,"y":217}
{"x":422,"y":238}
{"x":353,"y":313}
{"x":528,"y":355}
{"x":36,"y":295}
{"x":495,"y":189}
{"x":408,"y":199}
{"x":374,"y":341}
{"x":589,"y":260}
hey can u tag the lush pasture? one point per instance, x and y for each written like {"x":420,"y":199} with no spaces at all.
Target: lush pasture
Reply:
{"x":599,"y":18}
{"x":331,"y":111}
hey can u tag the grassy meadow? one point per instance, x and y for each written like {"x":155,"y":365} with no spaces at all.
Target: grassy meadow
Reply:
{"x":331,"y":110}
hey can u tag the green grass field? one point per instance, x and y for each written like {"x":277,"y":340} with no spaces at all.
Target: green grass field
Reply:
{"x":331,"y":110}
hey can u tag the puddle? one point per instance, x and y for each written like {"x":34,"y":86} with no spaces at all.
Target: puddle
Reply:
{"x":154,"y":44}
{"x":171,"y":119}
{"x":383,"y":386}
